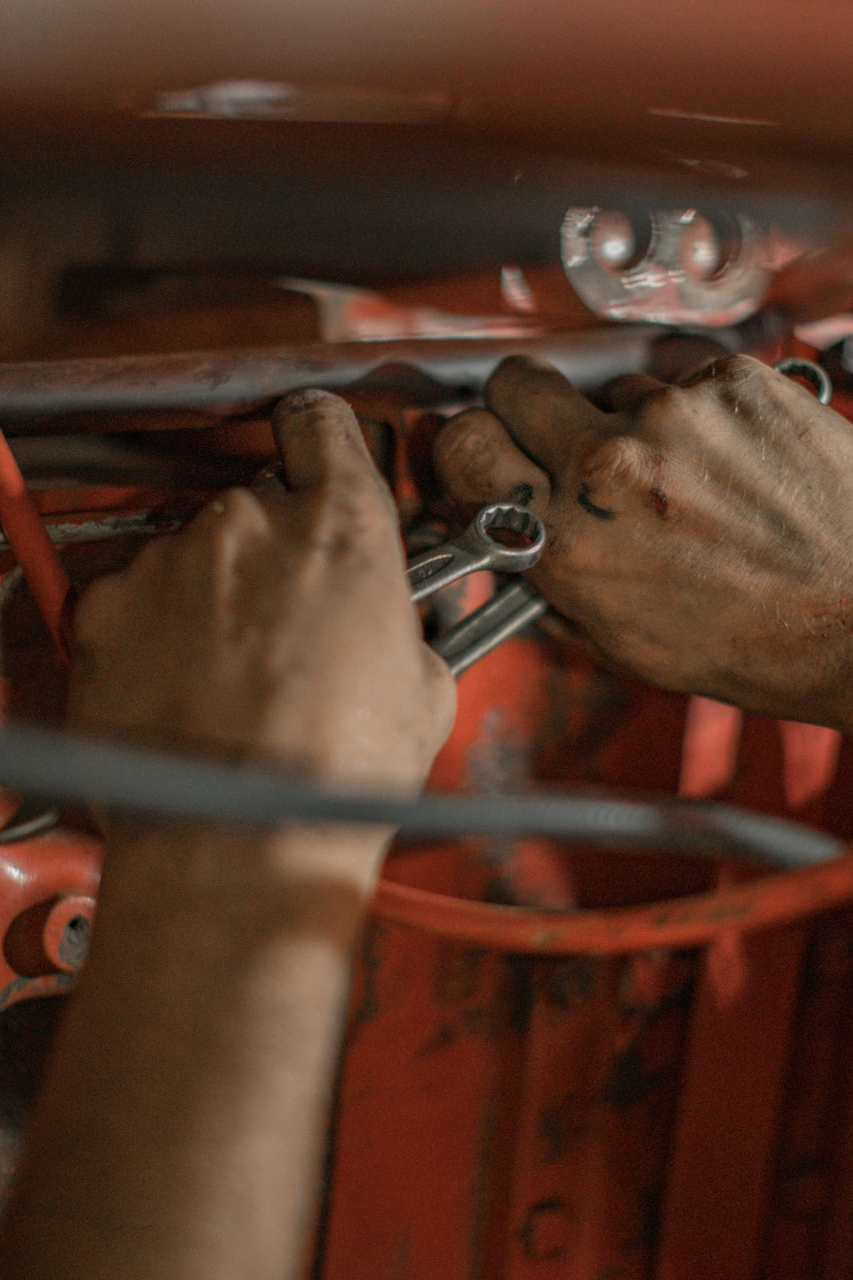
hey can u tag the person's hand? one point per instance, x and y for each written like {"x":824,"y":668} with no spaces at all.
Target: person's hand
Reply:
{"x":200,"y":1048}
{"x":277,"y":625}
{"x":699,"y":536}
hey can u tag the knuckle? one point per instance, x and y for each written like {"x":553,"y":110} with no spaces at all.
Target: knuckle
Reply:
{"x":737,"y":389}
{"x":731,"y":379}
{"x":345,"y":516}
{"x":738,"y":368}
{"x":233,"y":512}
{"x":463,"y":436}
{"x":233,"y":518}
{"x":661,"y":407}
{"x":616,"y":463}
{"x":729,"y":368}
{"x":351,"y":499}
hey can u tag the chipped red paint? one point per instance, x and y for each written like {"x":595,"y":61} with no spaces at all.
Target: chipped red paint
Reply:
{"x":575,"y":1065}
{"x":46,"y":883}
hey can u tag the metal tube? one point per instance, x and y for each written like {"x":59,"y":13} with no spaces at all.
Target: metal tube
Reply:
{"x":66,"y":768}
{"x":239,"y":380}
{"x":33,"y":549}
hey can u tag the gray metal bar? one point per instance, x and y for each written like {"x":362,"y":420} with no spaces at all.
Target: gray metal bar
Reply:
{"x":46,"y":763}
{"x":507,"y":613}
{"x":240,"y":380}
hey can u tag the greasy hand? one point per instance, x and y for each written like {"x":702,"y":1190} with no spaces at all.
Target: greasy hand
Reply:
{"x":277,"y":625}
{"x":699,"y":536}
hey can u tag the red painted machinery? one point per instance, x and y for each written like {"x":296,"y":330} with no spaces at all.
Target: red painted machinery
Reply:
{"x":559,"y":1062}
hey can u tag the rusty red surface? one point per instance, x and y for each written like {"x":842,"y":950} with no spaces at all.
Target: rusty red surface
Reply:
{"x":638,"y":1067}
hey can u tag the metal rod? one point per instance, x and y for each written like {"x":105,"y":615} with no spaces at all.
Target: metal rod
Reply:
{"x":35,"y":553}
{"x":104,"y":528}
{"x":45,"y":763}
{"x":240,"y":380}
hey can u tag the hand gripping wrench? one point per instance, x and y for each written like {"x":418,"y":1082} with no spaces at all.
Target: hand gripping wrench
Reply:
{"x":510,"y":609}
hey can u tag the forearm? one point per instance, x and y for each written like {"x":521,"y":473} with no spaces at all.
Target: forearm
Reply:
{"x":179,"y":1132}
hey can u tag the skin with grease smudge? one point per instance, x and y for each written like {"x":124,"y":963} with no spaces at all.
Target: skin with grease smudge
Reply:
{"x":699,"y":536}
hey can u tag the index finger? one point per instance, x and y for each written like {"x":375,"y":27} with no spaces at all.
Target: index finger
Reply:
{"x":320,"y":442}
{"x":326,"y":464}
{"x":546,"y":417}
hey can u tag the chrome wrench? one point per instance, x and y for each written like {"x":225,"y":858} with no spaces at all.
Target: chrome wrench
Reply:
{"x":476,"y":549}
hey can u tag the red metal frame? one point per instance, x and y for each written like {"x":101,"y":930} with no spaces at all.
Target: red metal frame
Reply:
{"x":571,"y":1065}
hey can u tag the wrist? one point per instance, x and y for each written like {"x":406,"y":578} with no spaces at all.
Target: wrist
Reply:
{"x":197,"y":1056}
{"x":213,"y":887}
